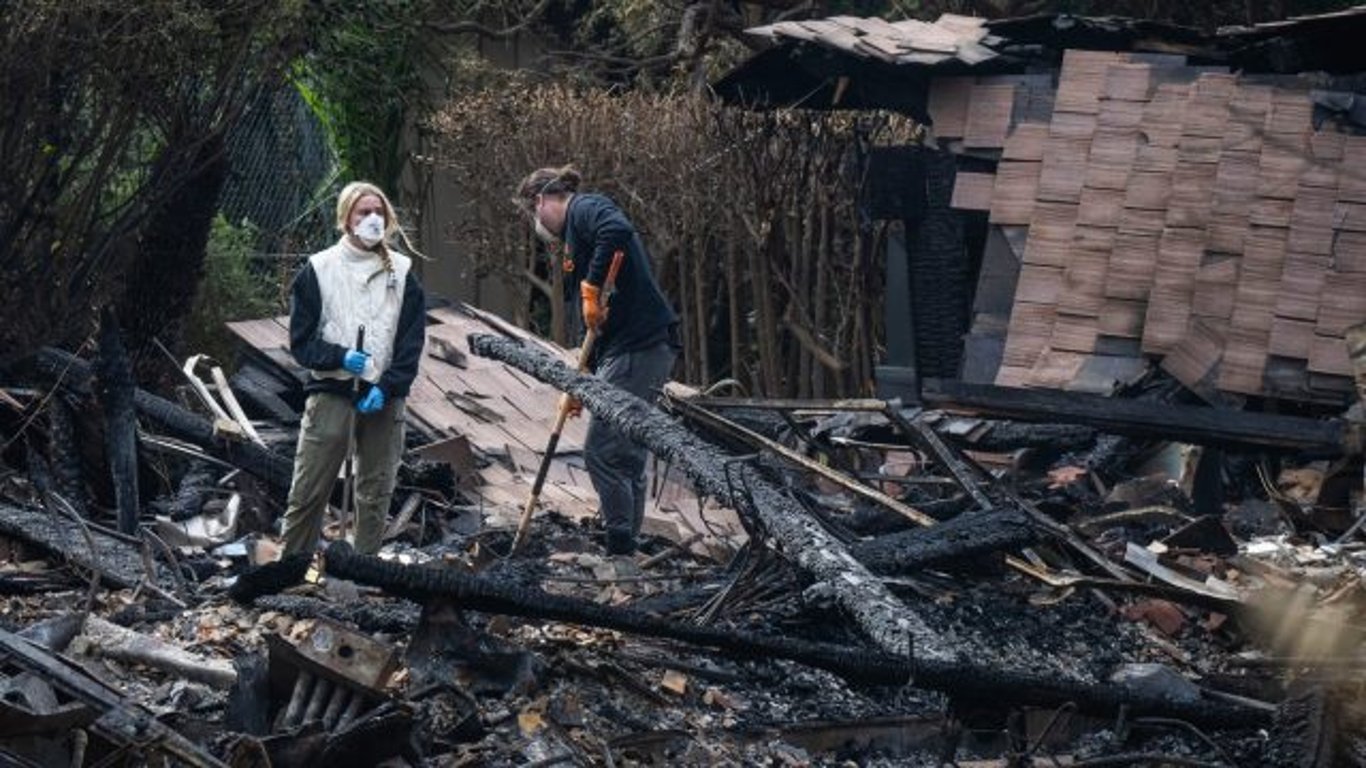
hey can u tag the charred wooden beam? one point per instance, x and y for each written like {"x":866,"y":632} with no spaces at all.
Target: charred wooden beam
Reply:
{"x":890,"y":623}
{"x":117,"y":559}
{"x":966,"y":536}
{"x":272,"y":468}
{"x":369,"y":616}
{"x":957,"y":676}
{"x":114,"y":391}
{"x":1141,"y":418}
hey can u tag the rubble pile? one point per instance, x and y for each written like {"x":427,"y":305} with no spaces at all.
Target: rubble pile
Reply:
{"x":856,"y":582}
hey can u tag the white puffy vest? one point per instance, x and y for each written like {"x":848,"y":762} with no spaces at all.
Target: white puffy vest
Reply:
{"x":351,"y":298}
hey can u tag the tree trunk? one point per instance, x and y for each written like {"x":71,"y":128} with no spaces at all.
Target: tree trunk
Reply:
{"x":64,"y":456}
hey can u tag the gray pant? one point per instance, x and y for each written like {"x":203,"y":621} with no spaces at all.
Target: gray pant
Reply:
{"x":323,"y":438}
{"x":615,"y":464}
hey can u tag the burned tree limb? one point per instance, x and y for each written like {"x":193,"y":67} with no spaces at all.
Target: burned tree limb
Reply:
{"x":114,"y":391}
{"x":962,"y":537}
{"x":103,"y":638}
{"x":890,"y":623}
{"x":954,"y":676}
{"x":272,"y":468}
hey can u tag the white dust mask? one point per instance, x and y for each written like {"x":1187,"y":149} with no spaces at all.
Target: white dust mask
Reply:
{"x":543,"y":233}
{"x":370,"y":230}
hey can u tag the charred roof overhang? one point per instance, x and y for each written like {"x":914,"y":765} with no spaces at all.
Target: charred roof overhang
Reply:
{"x":811,"y":77}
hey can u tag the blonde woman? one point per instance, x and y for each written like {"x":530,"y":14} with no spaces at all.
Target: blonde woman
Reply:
{"x":361,"y":281}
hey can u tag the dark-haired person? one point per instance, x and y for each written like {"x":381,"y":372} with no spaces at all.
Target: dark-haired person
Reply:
{"x":637,"y":339}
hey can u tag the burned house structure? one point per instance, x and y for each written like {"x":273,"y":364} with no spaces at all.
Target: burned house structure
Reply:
{"x":1151,"y":576}
{"x":1097,"y":193}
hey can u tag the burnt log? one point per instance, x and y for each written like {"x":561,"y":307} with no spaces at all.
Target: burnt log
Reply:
{"x":890,"y":623}
{"x":262,"y":400}
{"x":116,"y":558}
{"x":967,"y":536}
{"x":64,"y":456}
{"x":273,"y":468}
{"x":958,"y":677}
{"x":114,"y":392}
{"x":195,"y":486}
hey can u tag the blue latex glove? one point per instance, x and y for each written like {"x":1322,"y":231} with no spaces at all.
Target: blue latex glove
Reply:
{"x":355,"y":360}
{"x":373,"y":401}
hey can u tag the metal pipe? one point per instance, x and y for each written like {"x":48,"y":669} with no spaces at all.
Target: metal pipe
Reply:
{"x":340,"y":695}
{"x":352,"y":709}
{"x":321,"y":690}
{"x":303,"y":686}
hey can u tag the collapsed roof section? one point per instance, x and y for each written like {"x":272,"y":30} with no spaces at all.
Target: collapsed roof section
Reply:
{"x":847,"y":62}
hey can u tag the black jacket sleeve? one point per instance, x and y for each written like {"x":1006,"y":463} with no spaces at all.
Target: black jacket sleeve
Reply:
{"x":305,"y":325}
{"x":612,"y":232}
{"x":409,"y":338}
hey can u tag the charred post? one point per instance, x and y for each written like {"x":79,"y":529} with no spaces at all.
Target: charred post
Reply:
{"x":115,"y":388}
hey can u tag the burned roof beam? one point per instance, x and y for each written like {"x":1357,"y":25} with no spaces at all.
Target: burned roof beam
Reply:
{"x":1162,"y":421}
{"x":958,"y":676}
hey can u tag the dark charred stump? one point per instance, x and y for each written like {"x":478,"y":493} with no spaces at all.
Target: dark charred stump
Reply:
{"x":889,"y":622}
{"x":959,"y":677}
{"x":966,"y":536}
{"x":114,"y":391}
{"x":64,"y":457}
{"x":272,"y":468}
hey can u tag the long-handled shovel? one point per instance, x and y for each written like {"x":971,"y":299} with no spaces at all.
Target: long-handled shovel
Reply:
{"x":348,"y":468}
{"x":562,"y":412}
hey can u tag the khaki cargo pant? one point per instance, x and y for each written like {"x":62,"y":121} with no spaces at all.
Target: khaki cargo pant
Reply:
{"x":323,"y":438}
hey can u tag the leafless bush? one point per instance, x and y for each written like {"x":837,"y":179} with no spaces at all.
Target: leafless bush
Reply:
{"x":752,"y":219}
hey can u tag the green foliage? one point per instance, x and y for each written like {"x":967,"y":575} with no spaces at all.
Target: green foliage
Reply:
{"x":232,"y":288}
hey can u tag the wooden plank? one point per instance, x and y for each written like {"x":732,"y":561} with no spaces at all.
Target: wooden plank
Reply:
{"x":1179,"y":255}
{"x":1291,"y":338}
{"x":1051,"y":232}
{"x":1142,"y":221}
{"x":1089,"y":237}
{"x":1122,"y":318}
{"x":1207,"y":109}
{"x":1100,"y":207}
{"x":1247,"y":112}
{"x":1055,"y":369}
{"x":1039,"y":284}
{"x":1025,"y":142}
{"x":1193,"y":359}
{"x":1122,"y":115}
{"x":1129,"y":274}
{"x":1192,"y":195}
{"x":1111,"y":159}
{"x":1075,"y":333}
{"x":1243,"y":362}
{"x":1311,"y":220}
{"x":1302,"y":280}
{"x":1148,"y":191}
{"x":1328,"y":355}
{"x":1140,"y":418}
{"x":1235,"y":185}
{"x":988,"y":121}
{"x":1349,"y":252}
{"x":1291,"y":112}
{"x":1072,"y":125}
{"x":1017,"y":184}
{"x":1199,"y":149}
{"x":1082,"y":78}
{"x":1271,"y":211}
{"x":973,"y":191}
{"x":1216,"y":284}
{"x":1283,"y":160}
{"x":1343,"y":304}
{"x":1083,"y":286}
{"x":1031,"y":326}
{"x":1064,"y":169}
{"x":1352,"y":181}
{"x":1127,"y":82}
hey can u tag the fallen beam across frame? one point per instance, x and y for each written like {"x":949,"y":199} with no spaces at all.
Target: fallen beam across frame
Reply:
{"x":1140,"y":418}
{"x":888,"y":621}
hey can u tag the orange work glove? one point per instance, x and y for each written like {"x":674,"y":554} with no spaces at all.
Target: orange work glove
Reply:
{"x":573,"y":407}
{"x":594,"y":314}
